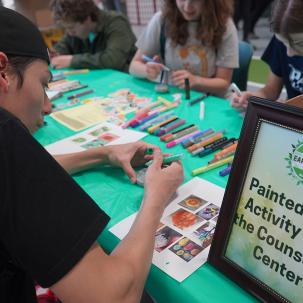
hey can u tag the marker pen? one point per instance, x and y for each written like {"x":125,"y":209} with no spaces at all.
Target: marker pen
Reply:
{"x":177,"y":141}
{"x":148,"y":107}
{"x":163,"y":138}
{"x":213,"y":147}
{"x":204,"y":142}
{"x":168,"y":159}
{"x":76,"y":71}
{"x":148,"y":59}
{"x":228,"y":150}
{"x":192,"y":137}
{"x":220,"y":143}
{"x":225,"y":171}
{"x":206,"y":168}
{"x":223,"y":157}
{"x":154,"y":127}
{"x":86,"y":92}
{"x":181,"y":134}
{"x":192,"y":102}
{"x":158,"y":119}
{"x":134,"y":119}
{"x":190,"y":141}
{"x":144,"y":119}
{"x":187,"y":88}
{"x":170,"y":127}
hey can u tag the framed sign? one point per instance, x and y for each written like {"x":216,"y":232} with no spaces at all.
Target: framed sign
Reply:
{"x":258,"y":241}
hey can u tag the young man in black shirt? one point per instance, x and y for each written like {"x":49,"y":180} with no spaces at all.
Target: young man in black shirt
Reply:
{"x":48,"y":224}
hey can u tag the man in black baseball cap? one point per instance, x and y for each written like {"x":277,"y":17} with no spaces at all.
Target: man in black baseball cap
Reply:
{"x":48,"y":225}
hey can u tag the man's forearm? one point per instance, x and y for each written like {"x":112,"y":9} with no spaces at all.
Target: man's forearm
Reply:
{"x":76,"y":162}
{"x":137,"y":247}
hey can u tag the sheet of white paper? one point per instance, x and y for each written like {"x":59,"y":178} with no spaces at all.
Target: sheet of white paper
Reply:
{"x":175,"y":255}
{"x":99,"y":135}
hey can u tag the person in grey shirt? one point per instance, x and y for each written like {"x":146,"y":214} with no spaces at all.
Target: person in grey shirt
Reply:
{"x":193,"y":49}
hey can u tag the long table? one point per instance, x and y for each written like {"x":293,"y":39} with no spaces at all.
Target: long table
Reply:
{"x":112,"y":191}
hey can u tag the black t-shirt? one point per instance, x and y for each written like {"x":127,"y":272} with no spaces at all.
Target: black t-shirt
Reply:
{"x":290,"y":69}
{"x":47,"y":222}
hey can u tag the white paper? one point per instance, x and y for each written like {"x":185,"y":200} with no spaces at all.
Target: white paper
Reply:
{"x":165,"y":257}
{"x":99,"y":135}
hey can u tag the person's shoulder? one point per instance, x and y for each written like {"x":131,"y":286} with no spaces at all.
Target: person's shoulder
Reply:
{"x":157,"y":17}
{"x":230,"y":25}
{"x":276,"y":42}
{"x":112,"y":20}
{"x":8,"y":118}
{"x":111,"y":16}
{"x":277,"y":45}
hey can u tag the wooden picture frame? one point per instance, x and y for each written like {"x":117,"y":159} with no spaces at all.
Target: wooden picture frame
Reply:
{"x":249,"y":254}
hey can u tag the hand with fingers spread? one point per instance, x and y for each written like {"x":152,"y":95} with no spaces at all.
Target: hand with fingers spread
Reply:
{"x":162,"y":183}
{"x":178,"y":78}
{"x":240,"y":102}
{"x":128,"y":156}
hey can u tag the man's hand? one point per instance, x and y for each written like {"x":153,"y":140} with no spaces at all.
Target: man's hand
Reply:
{"x":128,"y":156}
{"x":61,"y":61}
{"x":161,"y":183}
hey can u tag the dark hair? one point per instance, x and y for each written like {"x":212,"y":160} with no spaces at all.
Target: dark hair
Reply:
{"x":212,"y":23}
{"x":287,"y":18}
{"x":17,"y":66}
{"x":74,"y":10}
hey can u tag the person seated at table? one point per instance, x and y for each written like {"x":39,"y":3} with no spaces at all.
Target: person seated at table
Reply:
{"x":48,"y":225}
{"x":284,"y":55}
{"x":94,"y":38}
{"x":195,"y":39}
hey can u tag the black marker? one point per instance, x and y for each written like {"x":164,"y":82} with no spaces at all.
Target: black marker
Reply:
{"x":197,"y":100}
{"x":187,"y":88}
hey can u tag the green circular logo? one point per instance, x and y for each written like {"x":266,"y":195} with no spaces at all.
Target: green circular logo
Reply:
{"x":295,"y":162}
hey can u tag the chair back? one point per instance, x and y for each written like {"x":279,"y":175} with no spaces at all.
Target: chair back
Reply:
{"x":240,"y":74}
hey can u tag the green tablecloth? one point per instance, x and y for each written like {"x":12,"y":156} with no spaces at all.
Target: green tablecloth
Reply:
{"x":112,"y":191}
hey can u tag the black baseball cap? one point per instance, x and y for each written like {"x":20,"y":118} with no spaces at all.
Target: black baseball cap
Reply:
{"x":20,"y":37}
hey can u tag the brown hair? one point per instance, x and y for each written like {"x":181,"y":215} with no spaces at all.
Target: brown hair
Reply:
{"x":287,"y":18}
{"x":17,"y":66}
{"x":212,"y":24}
{"x":74,"y":10}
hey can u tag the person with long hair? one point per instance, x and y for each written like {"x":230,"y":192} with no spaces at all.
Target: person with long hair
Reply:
{"x":195,"y":39}
{"x":284,"y":55}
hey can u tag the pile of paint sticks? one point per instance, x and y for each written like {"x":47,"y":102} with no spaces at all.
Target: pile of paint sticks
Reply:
{"x":155,"y":112}
{"x":160,"y":120}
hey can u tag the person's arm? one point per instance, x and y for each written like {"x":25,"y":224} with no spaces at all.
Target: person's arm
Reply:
{"x":141,"y":69}
{"x":119,"y":45}
{"x":80,"y":161}
{"x":120,"y":277}
{"x":62,"y":55}
{"x":125,"y":156}
{"x":217,"y":85}
{"x":271,"y":90}
{"x":63,"y":47}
